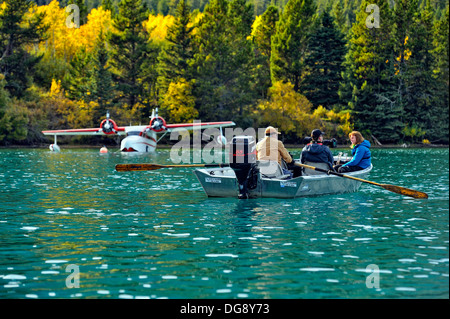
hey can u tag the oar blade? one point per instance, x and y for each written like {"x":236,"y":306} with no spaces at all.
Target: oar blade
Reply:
{"x":137,"y":167}
{"x":404,"y":191}
{"x":152,"y":167}
{"x":393,"y":188}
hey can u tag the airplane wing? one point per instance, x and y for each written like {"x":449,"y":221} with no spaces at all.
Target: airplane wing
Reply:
{"x":84,"y":131}
{"x":157,"y":124}
{"x":122,"y":130}
{"x":107,"y":127}
{"x":195,"y":126}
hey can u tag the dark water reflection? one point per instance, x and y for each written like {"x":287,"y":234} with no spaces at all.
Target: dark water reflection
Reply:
{"x":156,"y":235}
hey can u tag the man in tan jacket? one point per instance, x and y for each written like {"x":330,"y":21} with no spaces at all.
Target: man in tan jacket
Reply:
{"x":271,"y":149}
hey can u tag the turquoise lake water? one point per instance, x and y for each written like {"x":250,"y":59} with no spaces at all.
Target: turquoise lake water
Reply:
{"x":73,"y":227}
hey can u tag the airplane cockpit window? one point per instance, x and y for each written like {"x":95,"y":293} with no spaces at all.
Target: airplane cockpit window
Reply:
{"x":133,"y":133}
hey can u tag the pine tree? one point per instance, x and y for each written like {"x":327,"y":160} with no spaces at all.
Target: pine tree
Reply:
{"x":79,"y":82}
{"x":108,"y":5}
{"x":290,"y":42}
{"x":103,"y":93}
{"x":422,"y":97}
{"x":174,"y":59}
{"x":441,"y":41}
{"x":5,"y":104}
{"x":405,"y":19}
{"x":132,"y":57}
{"x":210,"y":62}
{"x":367,"y":78}
{"x":173,"y":5}
{"x":260,"y":6}
{"x":263,"y":30}
{"x":240,"y":15}
{"x":414,"y":86}
{"x":223,"y":61}
{"x":163,"y":7}
{"x":440,"y":129}
{"x":16,"y":31}
{"x":324,"y":64}
{"x":350,"y":10}
{"x":339,"y":17}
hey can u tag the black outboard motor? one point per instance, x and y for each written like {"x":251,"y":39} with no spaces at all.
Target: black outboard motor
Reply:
{"x":243,"y":161}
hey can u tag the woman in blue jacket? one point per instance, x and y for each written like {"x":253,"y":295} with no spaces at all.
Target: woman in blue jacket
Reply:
{"x":361,"y":154}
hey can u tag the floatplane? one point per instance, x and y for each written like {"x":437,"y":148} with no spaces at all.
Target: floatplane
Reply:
{"x":139,"y":138}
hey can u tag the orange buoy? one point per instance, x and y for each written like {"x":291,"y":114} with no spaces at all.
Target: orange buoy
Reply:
{"x":103,"y":150}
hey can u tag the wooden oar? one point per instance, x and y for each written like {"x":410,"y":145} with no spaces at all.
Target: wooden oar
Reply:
{"x":152,"y":167}
{"x":392,"y":188}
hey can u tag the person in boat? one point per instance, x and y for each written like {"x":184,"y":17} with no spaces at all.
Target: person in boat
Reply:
{"x":361,"y":157}
{"x":271,"y":149}
{"x":316,"y":152}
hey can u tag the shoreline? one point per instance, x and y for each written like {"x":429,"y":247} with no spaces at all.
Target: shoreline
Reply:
{"x":168,"y":146}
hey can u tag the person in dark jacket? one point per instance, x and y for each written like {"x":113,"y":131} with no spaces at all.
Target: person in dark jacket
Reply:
{"x":316,"y":152}
{"x":361,"y":157}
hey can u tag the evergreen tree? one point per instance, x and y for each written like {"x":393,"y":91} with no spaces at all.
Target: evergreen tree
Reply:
{"x":290,"y":42}
{"x":108,"y":5}
{"x":240,"y":15}
{"x":79,"y":82}
{"x":339,"y":17}
{"x":440,"y":129}
{"x":350,"y":10}
{"x":260,"y":6}
{"x":163,"y":7}
{"x":441,"y":52}
{"x":16,"y":63}
{"x":264,"y":29}
{"x":223,"y":61}
{"x":423,"y":101}
{"x":5,"y":103}
{"x":132,"y":56}
{"x":173,"y":5}
{"x":211,"y":59}
{"x":103,"y":81}
{"x":174,"y":59}
{"x":262,"y":35}
{"x":414,"y":86}
{"x":367,"y":80}
{"x":324,"y":64}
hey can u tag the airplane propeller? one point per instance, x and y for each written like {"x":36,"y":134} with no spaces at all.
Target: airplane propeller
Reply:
{"x":108,"y":126}
{"x":157,"y":123}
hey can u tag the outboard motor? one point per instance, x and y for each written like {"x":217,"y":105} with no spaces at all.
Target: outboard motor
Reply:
{"x":243,"y":162}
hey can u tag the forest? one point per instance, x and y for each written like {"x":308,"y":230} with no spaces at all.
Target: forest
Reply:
{"x":376,"y":66}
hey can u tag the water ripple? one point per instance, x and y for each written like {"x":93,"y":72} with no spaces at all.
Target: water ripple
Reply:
{"x":140,"y":235}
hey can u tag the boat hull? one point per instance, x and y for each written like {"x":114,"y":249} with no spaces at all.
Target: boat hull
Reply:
{"x":221,"y":182}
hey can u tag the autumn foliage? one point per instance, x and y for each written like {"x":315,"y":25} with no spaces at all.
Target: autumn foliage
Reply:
{"x":297,"y":66}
